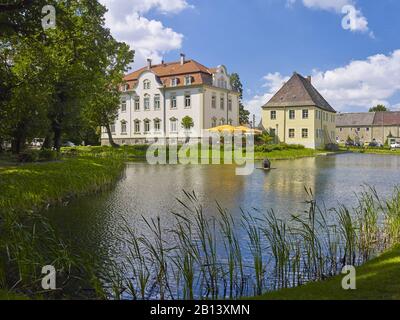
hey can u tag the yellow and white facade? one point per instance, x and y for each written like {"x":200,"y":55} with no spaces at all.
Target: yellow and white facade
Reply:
{"x":298,"y":114}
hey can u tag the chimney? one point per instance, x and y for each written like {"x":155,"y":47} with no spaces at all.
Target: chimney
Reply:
{"x":182,"y":59}
{"x":148,"y":64}
{"x":309,"y":79}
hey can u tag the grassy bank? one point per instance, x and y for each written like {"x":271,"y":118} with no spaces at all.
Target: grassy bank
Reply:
{"x":34,"y":186}
{"x":27,"y":239}
{"x":369,"y":150}
{"x":138,"y":152}
{"x":377,"y":279}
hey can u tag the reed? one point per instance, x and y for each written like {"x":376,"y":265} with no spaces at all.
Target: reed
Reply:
{"x":206,"y":258}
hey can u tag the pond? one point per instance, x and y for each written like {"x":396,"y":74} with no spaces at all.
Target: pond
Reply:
{"x":94,"y":222}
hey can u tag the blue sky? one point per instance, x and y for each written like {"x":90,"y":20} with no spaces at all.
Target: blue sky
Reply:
{"x":266,"y":40}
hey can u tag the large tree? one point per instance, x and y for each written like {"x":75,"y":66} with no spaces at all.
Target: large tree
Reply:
{"x":237,"y":86}
{"x":102,"y":109}
{"x":378,"y":108}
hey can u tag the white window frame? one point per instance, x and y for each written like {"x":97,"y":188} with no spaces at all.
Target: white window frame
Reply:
{"x":146,"y":128}
{"x":146,"y":84}
{"x":137,"y":126}
{"x":146,"y":101}
{"x":173,"y":102}
{"x":188,"y":98}
{"x":304,"y":136}
{"x":136,"y":103}
{"x":123,"y":105}
{"x":157,"y":125}
{"x":157,"y":102}
{"x":173,"y":125}
{"x":124,"y":128}
{"x":188,"y":80}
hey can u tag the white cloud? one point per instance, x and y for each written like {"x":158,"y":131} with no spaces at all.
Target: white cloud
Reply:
{"x":353,"y":18}
{"x":359,"y":85}
{"x":149,"y":38}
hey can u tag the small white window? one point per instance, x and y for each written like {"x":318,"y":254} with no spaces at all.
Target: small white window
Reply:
{"x":146,"y":102}
{"x":157,"y":102}
{"x":137,"y":104}
{"x":174,"y":82}
{"x":123,"y":105}
{"x":188,"y":101}
{"x":173,"y":102}
{"x":146,"y":126}
{"x":146,"y":84}
{"x":214,"y":102}
{"x":230,"y":104}
{"x":123,"y":127}
{"x":188,"y":80}
{"x":157,"y":125}
{"x":173,"y":125}
{"x":222,"y":103}
{"x":137,"y":126}
{"x":112,"y":128}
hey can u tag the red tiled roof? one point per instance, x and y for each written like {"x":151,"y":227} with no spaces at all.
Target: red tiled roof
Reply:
{"x":389,"y":118}
{"x":167,"y":71}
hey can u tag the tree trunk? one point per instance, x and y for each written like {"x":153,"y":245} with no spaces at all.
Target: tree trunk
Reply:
{"x":57,"y":135}
{"x":47,"y":141}
{"x":110,"y":137}
{"x":19,"y":138}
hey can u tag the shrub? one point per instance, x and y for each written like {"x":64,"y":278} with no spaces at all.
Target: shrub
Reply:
{"x":331,"y":147}
{"x":48,"y":155}
{"x":29,"y":156}
{"x":278,"y":147}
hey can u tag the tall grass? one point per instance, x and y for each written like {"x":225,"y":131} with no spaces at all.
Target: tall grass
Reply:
{"x":201,"y":257}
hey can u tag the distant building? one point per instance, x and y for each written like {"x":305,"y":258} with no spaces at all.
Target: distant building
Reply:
{"x":156,"y":98}
{"x":298,"y":114}
{"x":365,"y":127}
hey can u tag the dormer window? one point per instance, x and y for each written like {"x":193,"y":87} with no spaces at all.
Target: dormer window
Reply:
{"x":125,"y":87}
{"x":146,"y":84}
{"x":188,"y":80}
{"x":174,"y":82}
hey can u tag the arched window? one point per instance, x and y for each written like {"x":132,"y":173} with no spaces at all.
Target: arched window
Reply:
{"x":137,"y":126}
{"x":146,"y":126}
{"x":123,"y":127}
{"x":157,"y":125}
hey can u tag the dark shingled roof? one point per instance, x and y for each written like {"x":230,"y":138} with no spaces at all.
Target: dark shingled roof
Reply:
{"x":355,"y":119}
{"x":298,"y":91}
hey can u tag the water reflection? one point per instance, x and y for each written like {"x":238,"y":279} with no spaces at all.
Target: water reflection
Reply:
{"x":94,"y":222}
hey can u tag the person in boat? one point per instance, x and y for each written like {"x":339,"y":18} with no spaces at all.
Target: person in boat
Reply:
{"x":266,"y":164}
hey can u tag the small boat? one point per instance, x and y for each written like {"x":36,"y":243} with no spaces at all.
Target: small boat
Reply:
{"x":266,"y":169}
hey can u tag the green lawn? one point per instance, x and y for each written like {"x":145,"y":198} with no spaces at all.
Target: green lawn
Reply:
{"x":378,"y":279}
{"x":33,"y":186}
{"x":139,"y":152}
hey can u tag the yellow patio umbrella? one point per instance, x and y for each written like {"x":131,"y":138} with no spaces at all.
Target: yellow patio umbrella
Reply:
{"x":248,"y":130}
{"x":224,"y":128}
